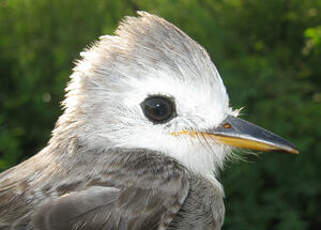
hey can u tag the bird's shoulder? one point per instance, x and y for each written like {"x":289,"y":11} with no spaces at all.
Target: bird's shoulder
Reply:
{"x":203,"y":208}
{"x":16,"y":192}
{"x":129,"y":186}
{"x":136,"y":189}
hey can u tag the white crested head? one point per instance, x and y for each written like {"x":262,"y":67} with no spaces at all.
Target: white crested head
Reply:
{"x":148,"y":57}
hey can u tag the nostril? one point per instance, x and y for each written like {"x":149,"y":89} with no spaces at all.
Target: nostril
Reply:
{"x":227,"y":126}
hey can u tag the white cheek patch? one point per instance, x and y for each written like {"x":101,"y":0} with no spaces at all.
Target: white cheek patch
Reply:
{"x":199,"y":155}
{"x":198,"y":107}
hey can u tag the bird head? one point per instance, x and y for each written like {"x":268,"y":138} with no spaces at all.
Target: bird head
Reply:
{"x":151,"y":86}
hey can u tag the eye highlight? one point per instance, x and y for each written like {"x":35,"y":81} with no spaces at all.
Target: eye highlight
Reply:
{"x":158,"y":109}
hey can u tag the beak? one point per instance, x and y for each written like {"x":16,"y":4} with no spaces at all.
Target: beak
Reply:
{"x":242,"y":134}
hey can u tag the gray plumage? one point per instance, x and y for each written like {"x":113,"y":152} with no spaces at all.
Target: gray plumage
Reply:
{"x":108,"y":164}
{"x":82,"y":180}
{"x":133,"y":189}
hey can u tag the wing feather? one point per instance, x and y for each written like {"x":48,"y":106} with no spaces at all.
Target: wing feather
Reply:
{"x":148,"y":191}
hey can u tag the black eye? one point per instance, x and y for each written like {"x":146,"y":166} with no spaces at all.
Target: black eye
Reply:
{"x":158,"y":109}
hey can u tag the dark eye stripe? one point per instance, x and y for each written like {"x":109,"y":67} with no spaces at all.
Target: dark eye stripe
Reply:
{"x":158,"y":109}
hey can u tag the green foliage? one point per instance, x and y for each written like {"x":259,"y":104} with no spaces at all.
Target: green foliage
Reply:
{"x":268,"y":53}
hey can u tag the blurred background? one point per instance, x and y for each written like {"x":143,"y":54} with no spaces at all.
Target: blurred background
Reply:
{"x":269,"y":56}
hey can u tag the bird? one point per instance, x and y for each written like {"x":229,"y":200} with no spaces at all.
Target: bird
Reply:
{"x":145,"y":130}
